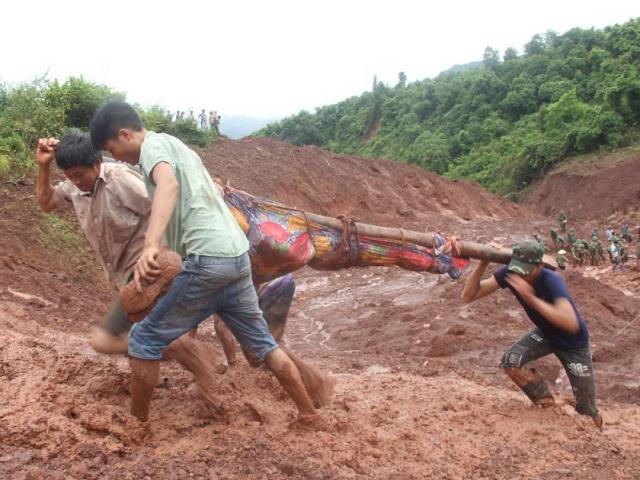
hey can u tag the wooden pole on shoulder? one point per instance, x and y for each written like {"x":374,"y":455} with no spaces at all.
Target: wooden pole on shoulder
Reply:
{"x":469,"y":249}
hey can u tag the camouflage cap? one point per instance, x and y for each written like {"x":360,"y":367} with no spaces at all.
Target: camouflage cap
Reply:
{"x":527,"y":255}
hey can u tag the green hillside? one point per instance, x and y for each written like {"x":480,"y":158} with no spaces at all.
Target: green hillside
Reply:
{"x":44,"y":108}
{"x":503,"y":124}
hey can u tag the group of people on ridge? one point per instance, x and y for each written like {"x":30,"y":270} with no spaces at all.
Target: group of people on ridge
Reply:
{"x":210,"y":121}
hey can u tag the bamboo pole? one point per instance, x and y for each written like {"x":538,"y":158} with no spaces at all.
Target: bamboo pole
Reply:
{"x":469,"y":249}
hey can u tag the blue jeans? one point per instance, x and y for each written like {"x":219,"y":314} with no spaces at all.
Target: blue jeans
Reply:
{"x":203,"y":287}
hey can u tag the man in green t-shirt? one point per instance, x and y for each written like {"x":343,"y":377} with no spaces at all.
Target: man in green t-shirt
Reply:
{"x":189,"y":213}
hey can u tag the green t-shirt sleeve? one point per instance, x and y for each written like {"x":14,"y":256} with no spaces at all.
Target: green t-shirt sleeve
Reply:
{"x":155,"y":152}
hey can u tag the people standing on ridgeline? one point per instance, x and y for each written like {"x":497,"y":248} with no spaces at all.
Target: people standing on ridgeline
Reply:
{"x":214,"y":121}
{"x":192,"y":117}
{"x":203,"y":120}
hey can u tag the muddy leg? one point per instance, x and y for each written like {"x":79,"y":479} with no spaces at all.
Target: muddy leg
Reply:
{"x":144,"y":376}
{"x":226,"y":339}
{"x":194,"y":355}
{"x":287,"y":374}
{"x":289,"y":377}
{"x":201,"y":360}
{"x":532,"y":384}
{"x":319,"y":385}
{"x":530,"y":347}
{"x":103,"y":341}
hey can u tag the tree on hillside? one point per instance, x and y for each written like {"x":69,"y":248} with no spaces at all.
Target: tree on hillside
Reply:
{"x":535,"y":46}
{"x":491,"y":58}
{"x":402,"y":80}
{"x":510,"y":54}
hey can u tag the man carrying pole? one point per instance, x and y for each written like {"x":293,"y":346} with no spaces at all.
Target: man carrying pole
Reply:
{"x":188,"y":210}
{"x":559,"y":327}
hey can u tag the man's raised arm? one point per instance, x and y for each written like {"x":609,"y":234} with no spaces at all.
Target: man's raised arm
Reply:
{"x":45,"y":154}
{"x":475,"y":288}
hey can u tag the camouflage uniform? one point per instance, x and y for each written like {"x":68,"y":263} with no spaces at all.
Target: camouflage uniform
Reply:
{"x":561,"y":259}
{"x":595,"y":237}
{"x":554,"y":239}
{"x":571,"y":241}
{"x":577,"y":251}
{"x":562,"y":219}
{"x":593,"y":252}
{"x":624,"y":254}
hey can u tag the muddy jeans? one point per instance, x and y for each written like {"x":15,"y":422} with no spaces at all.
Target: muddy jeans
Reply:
{"x":274,"y":297}
{"x":205,"y":286}
{"x":577,"y":364}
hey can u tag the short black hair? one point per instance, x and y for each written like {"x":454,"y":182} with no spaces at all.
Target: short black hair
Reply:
{"x":76,"y":150}
{"x":111,"y":117}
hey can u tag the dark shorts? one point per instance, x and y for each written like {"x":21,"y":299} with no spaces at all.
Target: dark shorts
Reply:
{"x":576,"y":362}
{"x":275,"y":299}
{"x":116,"y":321}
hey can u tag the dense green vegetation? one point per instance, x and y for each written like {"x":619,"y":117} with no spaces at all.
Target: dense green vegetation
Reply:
{"x":45,"y":108}
{"x":504,"y":123}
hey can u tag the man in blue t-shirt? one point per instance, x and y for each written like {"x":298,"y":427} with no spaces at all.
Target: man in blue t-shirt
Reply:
{"x":559,"y":327}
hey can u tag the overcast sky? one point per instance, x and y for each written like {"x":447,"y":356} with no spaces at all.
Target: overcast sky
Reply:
{"x":270,"y":58}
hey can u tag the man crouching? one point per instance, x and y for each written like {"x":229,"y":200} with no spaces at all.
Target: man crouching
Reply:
{"x":559,"y":327}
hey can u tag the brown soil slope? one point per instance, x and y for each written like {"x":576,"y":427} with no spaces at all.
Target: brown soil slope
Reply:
{"x":592,"y":187}
{"x":376,"y":191}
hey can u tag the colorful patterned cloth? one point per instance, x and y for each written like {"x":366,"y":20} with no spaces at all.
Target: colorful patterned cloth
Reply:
{"x":283,"y":240}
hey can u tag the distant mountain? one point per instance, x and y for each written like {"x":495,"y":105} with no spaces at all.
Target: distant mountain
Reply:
{"x":464,"y":67}
{"x":238,"y":127}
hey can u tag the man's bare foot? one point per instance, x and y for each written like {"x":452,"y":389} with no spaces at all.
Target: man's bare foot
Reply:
{"x":310,"y":423}
{"x":599,"y":422}
{"x":545,"y":402}
{"x":136,"y":432}
{"x":214,"y":405}
{"x":322,"y":394}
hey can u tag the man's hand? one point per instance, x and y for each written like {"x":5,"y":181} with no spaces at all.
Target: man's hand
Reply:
{"x":524,"y":289}
{"x":46,"y":150}
{"x":147,"y":267}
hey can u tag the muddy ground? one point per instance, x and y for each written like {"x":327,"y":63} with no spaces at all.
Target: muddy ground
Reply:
{"x":419,"y":394}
